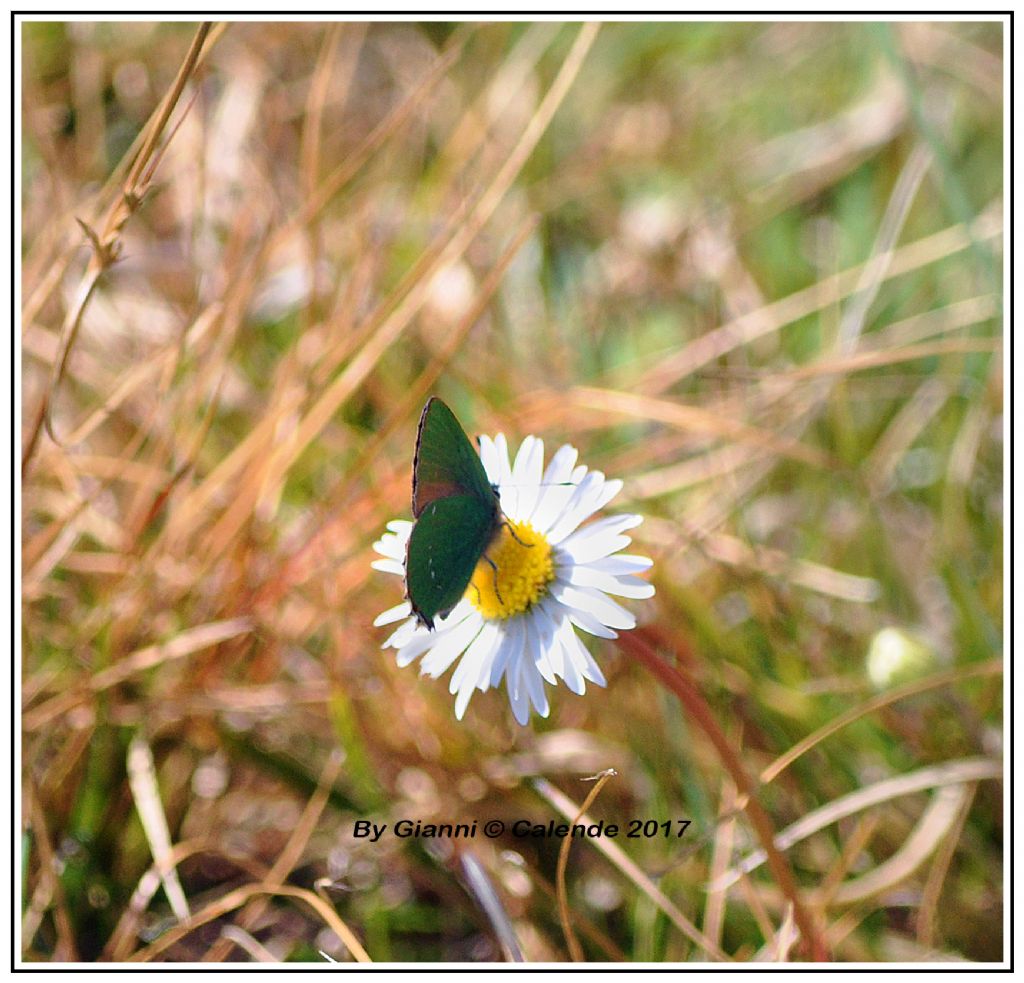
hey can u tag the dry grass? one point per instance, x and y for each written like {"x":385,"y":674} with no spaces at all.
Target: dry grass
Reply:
{"x":750,"y":268}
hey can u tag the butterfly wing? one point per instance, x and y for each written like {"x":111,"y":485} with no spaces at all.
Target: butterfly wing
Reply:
{"x":445,"y":463}
{"x":450,"y":536}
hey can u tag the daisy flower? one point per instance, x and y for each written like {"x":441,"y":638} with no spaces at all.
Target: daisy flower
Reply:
{"x":546,"y":575}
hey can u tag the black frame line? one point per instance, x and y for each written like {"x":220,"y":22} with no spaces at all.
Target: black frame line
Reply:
{"x":573,"y":16}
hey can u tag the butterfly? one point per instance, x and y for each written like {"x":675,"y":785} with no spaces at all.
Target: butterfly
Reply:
{"x":457,"y":511}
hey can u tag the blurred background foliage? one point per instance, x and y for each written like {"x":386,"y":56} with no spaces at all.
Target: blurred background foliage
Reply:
{"x":752,"y":268}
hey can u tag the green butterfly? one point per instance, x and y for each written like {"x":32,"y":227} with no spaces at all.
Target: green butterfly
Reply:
{"x":457,"y":514}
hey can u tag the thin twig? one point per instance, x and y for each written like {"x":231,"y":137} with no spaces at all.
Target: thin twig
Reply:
{"x":930,"y":895}
{"x":106,"y":243}
{"x":146,"y":792}
{"x":288,"y":858}
{"x":959,"y":772}
{"x":235,"y":899}
{"x":575,"y":950}
{"x":633,"y":644}
{"x":992,"y":667}
{"x":188,"y":642}
{"x":65,"y":950}
{"x":624,"y":863}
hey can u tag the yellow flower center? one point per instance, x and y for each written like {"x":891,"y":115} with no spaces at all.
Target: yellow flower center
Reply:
{"x":522,"y":569}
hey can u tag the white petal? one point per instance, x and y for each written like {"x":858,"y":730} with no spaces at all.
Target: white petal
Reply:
{"x":449,"y":646}
{"x":460,"y":612}
{"x":547,"y":650}
{"x":587,"y":553}
{"x":622,"y":563}
{"x":513,"y":671}
{"x":551,"y":503}
{"x":509,"y":651}
{"x":389,"y":566}
{"x":462,"y":700}
{"x":611,"y":524}
{"x":548,"y":614}
{"x":508,"y":494}
{"x":580,"y":657}
{"x":599,"y":539}
{"x":633,"y":587}
{"x":393,"y":544}
{"x":412,"y":649}
{"x":396,"y":613}
{"x":489,"y":459}
{"x":493,"y":636}
{"x":535,"y":650}
{"x":401,"y":635}
{"x":623,"y":586}
{"x":557,"y":621}
{"x":512,"y":490}
{"x":526,"y":474}
{"x":413,"y":639}
{"x":528,"y":464}
{"x":591,"y":624}
{"x":556,"y":488}
{"x":504,"y":471}
{"x":518,"y":695}
{"x":612,"y":487}
{"x":535,"y":687}
{"x":577,"y":508}
{"x":591,"y":601}
{"x":469,"y":664}
{"x":390,"y":547}
{"x":570,"y":673}
{"x":598,"y":494}
{"x":574,"y":679}
{"x":475,"y":664}
{"x":561,"y":663}
{"x":560,"y":467}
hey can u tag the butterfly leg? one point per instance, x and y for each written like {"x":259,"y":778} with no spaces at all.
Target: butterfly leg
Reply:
{"x":512,"y":532}
{"x":494,"y":568}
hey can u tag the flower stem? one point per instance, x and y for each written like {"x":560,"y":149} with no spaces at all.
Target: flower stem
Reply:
{"x":634,"y":644}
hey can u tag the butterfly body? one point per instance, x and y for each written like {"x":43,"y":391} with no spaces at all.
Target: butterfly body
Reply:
{"x":457,"y":512}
